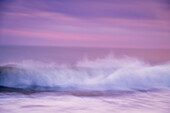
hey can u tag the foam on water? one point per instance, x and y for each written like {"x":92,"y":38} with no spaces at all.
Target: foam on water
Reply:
{"x":101,"y":74}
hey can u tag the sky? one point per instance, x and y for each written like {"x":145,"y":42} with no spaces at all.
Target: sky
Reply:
{"x":86,"y":23}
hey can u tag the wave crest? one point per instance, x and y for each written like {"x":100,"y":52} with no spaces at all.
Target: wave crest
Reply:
{"x":101,"y":74}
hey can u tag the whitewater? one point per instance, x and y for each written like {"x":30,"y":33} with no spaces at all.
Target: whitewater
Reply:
{"x":99,"y":75}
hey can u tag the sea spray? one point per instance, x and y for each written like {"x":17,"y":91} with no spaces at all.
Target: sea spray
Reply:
{"x":101,"y":74}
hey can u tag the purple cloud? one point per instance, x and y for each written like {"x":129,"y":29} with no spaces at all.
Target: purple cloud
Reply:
{"x":106,"y":23}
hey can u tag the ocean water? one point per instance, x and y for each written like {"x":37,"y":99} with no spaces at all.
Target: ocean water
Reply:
{"x":84,"y":80}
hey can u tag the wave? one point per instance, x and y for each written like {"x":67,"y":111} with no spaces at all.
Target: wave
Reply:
{"x":95,"y":75}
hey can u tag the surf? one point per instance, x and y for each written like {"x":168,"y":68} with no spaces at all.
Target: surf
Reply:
{"x":101,"y":74}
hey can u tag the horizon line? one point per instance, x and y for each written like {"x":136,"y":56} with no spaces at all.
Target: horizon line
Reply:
{"x":97,"y":47}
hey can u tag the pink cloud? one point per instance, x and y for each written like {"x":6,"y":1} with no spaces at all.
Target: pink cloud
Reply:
{"x":104,"y":40}
{"x":137,"y":24}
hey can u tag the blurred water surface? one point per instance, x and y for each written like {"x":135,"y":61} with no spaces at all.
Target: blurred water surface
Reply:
{"x":53,"y":102}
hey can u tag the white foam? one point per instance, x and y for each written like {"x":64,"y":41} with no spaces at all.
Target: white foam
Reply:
{"x":101,"y":74}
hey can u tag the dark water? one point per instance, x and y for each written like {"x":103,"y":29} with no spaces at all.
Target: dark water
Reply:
{"x":84,"y":80}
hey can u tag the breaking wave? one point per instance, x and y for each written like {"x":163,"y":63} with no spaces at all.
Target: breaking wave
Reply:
{"x":96,"y":75}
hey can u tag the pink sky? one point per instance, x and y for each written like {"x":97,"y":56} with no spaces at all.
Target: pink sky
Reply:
{"x":86,"y":23}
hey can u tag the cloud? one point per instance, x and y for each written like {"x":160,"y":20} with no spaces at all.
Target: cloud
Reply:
{"x":133,"y":9}
{"x":99,"y":22}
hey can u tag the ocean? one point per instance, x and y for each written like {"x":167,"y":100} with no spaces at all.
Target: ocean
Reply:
{"x":84,"y":80}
